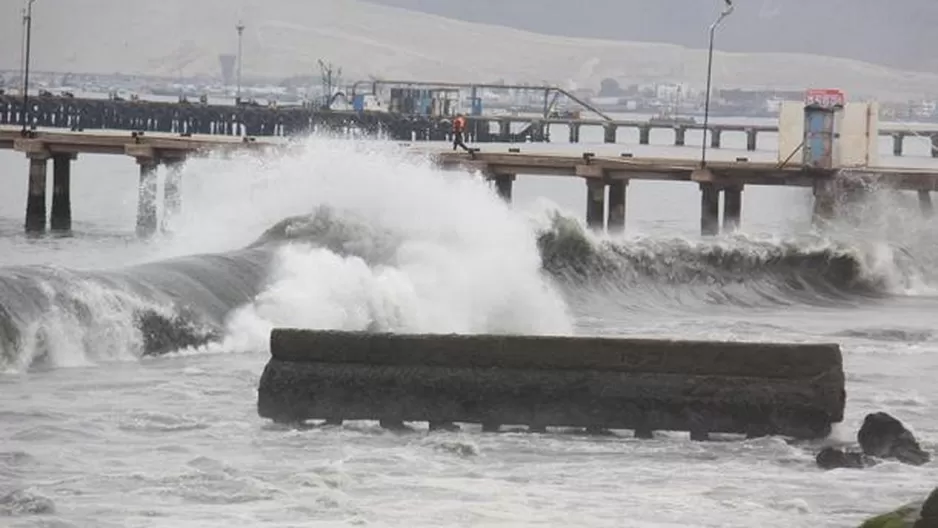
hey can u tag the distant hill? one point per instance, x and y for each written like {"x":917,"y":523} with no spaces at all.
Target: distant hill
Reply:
{"x":286,"y":38}
{"x":897,"y":33}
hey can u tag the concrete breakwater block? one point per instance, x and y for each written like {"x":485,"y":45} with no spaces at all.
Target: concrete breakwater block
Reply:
{"x":612,"y":383}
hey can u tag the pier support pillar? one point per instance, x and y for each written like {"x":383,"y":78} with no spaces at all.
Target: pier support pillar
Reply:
{"x":732,"y":208}
{"x":503,"y":184}
{"x":934,"y":145}
{"x":680,"y":136}
{"x":618,"y":190}
{"x":924,"y":203}
{"x":825,"y":202}
{"x":716,"y":140}
{"x":172,"y":192}
{"x":709,"y":209}
{"x":609,"y":133}
{"x":752,"y":137}
{"x":36,"y":196}
{"x":146,"y":200}
{"x":897,"y":143}
{"x":62,"y":192}
{"x":595,"y":204}
{"x":644,"y":135}
{"x":574,"y":132}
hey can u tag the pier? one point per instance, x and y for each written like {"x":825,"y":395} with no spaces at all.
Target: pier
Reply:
{"x":606,"y":178}
{"x":188,"y":118}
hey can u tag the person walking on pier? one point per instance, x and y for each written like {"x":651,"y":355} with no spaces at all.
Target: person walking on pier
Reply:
{"x":459,"y":127}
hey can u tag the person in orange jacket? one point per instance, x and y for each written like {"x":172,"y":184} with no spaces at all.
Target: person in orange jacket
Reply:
{"x":459,"y":127}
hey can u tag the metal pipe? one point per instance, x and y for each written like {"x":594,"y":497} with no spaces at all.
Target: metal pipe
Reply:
{"x":28,"y":19}
{"x":726,"y":12}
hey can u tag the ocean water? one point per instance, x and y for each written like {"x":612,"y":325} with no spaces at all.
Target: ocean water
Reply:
{"x":94,"y":434}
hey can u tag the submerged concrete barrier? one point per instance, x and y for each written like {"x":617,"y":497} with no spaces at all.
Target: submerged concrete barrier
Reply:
{"x":609,"y":383}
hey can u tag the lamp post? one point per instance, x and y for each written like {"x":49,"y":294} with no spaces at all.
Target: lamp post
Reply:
{"x":725,"y":13}
{"x":240,"y":28}
{"x":28,"y":21}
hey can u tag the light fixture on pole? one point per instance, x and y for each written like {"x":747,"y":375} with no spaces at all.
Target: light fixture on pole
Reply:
{"x":28,"y":21}
{"x":725,"y":13}
{"x":240,"y":28}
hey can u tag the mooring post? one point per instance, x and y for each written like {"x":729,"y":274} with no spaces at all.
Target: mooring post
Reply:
{"x":709,"y":209}
{"x":924,"y":203}
{"x":732,"y":207}
{"x":62,"y":192}
{"x":617,"y":201}
{"x":36,"y":196}
{"x":172,"y":191}
{"x":146,"y":200}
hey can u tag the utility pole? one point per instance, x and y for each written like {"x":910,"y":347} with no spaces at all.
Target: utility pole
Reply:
{"x":725,"y":13}
{"x":28,"y":21}
{"x":240,"y":28}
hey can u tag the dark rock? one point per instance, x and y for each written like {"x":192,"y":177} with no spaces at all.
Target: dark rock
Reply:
{"x":832,"y":458}
{"x":928,"y":517}
{"x":883,"y":436}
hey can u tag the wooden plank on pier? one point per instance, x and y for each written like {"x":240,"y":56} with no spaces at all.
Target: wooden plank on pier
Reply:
{"x":641,"y":384}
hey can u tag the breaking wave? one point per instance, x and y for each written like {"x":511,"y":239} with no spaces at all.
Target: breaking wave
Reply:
{"x":367,"y":240}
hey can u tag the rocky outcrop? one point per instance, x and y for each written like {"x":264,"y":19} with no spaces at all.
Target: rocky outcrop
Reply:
{"x":914,"y":515}
{"x":881,"y":437}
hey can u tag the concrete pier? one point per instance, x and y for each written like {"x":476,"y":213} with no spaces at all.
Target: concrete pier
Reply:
{"x":643,"y":385}
{"x":716,"y":138}
{"x":709,"y":209}
{"x":825,"y":202}
{"x":503,"y":185}
{"x":732,"y":208}
{"x":617,"y":205}
{"x":925,"y":204}
{"x":61,"y":219}
{"x":36,"y":195}
{"x":172,"y":192}
{"x":680,"y":136}
{"x":752,"y":138}
{"x":595,"y":204}
{"x":146,"y":201}
{"x":897,"y":143}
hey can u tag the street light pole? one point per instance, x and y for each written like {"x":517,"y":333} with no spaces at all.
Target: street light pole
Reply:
{"x":28,"y":20}
{"x":240,"y":28}
{"x":726,"y":12}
